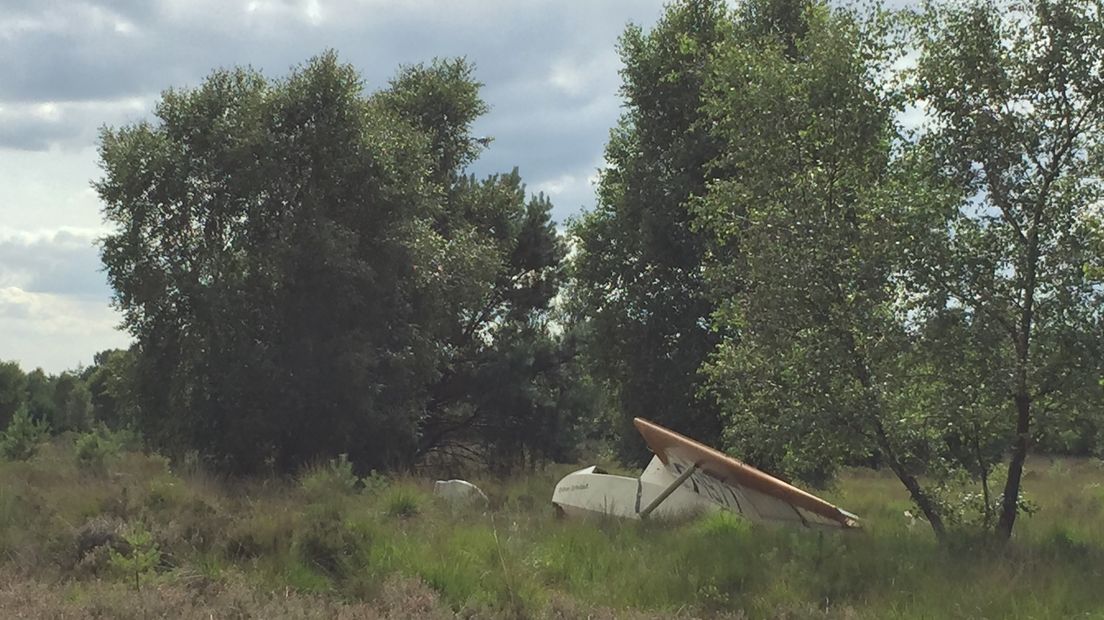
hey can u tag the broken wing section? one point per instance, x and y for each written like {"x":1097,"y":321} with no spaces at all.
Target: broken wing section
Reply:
{"x":738,"y":487}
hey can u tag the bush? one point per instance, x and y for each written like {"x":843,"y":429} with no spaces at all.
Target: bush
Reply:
{"x":94,"y":450}
{"x":94,"y":542}
{"x":402,"y":503}
{"x":20,"y":441}
{"x":140,"y":556}
{"x":326,"y":542}
{"x":334,"y":477}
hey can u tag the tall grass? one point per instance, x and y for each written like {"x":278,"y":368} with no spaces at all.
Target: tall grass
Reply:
{"x":390,"y":549}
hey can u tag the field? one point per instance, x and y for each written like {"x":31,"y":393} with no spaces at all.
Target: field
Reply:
{"x":130,"y":537}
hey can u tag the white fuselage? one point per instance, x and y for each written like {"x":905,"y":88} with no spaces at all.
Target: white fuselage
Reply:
{"x":591,"y":492}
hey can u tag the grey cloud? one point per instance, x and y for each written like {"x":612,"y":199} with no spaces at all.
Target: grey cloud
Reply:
{"x":59,"y":263}
{"x":32,"y":136}
{"x":85,"y":56}
{"x":549,"y":69}
{"x":35,"y":127}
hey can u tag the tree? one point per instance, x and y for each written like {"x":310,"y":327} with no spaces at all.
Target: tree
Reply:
{"x":20,"y":440}
{"x":269,"y":236}
{"x":72,"y":404}
{"x":501,"y":372}
{"x":638,"y":296}
{"x":110,"y":384}
{"x":308,"y":271}
{"x":803,"y":218}
{"x":13,"y":391}
{"x":40,"y":396}
{"x":1014,"y":96}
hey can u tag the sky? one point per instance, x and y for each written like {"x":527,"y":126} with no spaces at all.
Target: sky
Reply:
{"x":67,"y":68}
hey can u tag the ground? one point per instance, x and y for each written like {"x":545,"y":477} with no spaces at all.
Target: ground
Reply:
{"x":133,"y":537}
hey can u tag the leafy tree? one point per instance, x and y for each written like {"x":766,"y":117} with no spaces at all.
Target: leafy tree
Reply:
{"x":110,"y":384}
{"x":40,"y":395}
{"x":21,"y":438}
{"x":1014,"y":97}
{"x":308,"y":271}
{"x":13,"y":390}
{"x":501,"y":373}
{"x":72,"y":403}
{"x":269,"y":236}
{"x":94,"y":449}
{"x":638,"y":296}
{"x":804,"y":218}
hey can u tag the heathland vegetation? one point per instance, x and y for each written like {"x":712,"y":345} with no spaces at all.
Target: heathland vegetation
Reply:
{"x":859,"y":249}
{"x":129,"y":535}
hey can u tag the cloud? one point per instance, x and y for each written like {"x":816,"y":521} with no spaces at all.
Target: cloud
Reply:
{"x":570,"y":192}
{"x":48,"y":189}
{"x":55,"y":332}
{"x":63,"y":262}
{"x":550,"y":67}
{"x":44,"y":125}
{"x":54,"y":300}
{"x":72,"y":66}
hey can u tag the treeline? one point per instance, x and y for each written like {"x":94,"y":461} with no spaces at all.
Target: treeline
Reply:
{"x":76,"y":400}
{"x":824,"y":236}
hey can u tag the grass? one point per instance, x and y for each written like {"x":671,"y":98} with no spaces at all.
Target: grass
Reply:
{"x":320,"y":547}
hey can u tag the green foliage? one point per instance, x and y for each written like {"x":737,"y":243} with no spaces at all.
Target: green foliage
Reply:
{"x":13,"y":391}
{"x":852,"y":290}
{"x":402,"y":502}
{"x":442,"y":101}
{"x":638,"y":295}
{"x":807,"y":239}
{"x":40,"y":395}
{"x":140,"y":557}
{"x":94,"y":449}
{"x":110,"y":384}
{"x":72,"y":410}
{"x":1015,"y":102}
{"x":273,"y":547}
{"x":349,"y":285}
{"x":336,"y":477}
{"x":20,"y":440}
{"x":237,"y":383}
{"x":811,"y":326}
{"x":325,"y":542}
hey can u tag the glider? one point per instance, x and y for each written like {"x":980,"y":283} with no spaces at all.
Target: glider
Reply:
{"x":685,"y":476}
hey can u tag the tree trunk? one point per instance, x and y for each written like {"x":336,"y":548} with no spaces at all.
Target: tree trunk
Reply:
{"x":923,"y":501}
{"x":1010,"y":501}
{"x":912,"y":484}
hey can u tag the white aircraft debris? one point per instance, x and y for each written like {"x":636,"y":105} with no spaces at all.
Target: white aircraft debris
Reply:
{"x":459,"y":492}
{"x":686,"y":476}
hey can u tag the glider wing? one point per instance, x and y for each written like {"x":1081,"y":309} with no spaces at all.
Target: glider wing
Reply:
{"x":737,"y":486}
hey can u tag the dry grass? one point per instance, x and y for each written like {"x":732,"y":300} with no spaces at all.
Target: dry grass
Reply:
{"x":279,"y":548}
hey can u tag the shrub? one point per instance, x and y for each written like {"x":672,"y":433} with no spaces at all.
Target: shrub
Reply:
{"x":94,"y":449}
{"x":334,"y":477}
{"x":94,"y":542}
{"x":140,"y":557}
{"x":402,"y":502}
{"x":374,"y":482}
{"x":326,"y":542}
{"x":20,"y":440}
{"x":260,"y":533}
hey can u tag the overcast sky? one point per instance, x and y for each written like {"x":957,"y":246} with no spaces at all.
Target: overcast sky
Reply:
{"x":69,"y":67}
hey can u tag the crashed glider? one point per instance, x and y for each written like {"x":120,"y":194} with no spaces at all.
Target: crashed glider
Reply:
{"x":686,"y":476}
